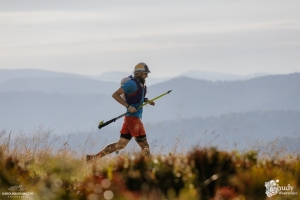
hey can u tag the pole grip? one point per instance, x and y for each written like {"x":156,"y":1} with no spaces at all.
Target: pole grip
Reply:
{"x":101,"y":125}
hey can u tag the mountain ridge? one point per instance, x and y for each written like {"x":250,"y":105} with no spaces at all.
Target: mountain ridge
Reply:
{"x":116,"y":76}
{"x":62,"y":85}
{"x":189,"y":98}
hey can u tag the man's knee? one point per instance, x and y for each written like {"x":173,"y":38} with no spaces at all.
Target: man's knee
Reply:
{"x":141,"y":139}
{"x":143,"y":143}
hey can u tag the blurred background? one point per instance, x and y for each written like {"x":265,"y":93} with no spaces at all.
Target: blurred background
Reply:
{"x":233,"y":67}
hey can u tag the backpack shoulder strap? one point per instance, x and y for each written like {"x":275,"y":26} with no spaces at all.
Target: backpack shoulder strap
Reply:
{"x":145,"y":90}
{"x":137,"y":85}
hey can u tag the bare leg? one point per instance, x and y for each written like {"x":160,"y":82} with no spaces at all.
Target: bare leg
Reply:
{"x":142,"y":142}
{"x":113,"y":147}
{"x":109,"y":149}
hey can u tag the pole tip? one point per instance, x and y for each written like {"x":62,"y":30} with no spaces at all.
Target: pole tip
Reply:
{"x":169,"y":91}
{"x":100,"y":123}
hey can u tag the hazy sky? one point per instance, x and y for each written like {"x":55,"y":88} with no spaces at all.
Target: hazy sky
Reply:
{"x":92,"y":37}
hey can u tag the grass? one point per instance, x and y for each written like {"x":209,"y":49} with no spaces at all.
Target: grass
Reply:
{"x":198,"y":173}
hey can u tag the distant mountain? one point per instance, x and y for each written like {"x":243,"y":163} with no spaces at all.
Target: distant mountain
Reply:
{"x":62,"y":85}
{"x":62,"y":112}
{"x":69,"y":110}
{"x":7,"y":74}
{"x":216,"y":76}
{"x":192,"y":97}
{"x":233,"y":129}
{"x":16,"y":77}
{"x":222,"y":113}
{"x":19,"y":76}
{"x":25,"y":80}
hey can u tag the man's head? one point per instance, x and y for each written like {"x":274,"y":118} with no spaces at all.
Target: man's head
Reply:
{"x":141,"y":71}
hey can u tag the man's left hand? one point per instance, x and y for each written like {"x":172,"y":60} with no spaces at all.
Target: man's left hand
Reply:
{"x":152,"y":103}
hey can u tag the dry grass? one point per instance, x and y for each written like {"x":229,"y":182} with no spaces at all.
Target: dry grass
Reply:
{"x":47,"y":166}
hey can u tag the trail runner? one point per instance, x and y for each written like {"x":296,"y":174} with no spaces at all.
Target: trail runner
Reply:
{"x":131,"y":95}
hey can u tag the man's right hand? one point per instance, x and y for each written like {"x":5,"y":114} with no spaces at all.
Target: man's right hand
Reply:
{"x":131,"y":109}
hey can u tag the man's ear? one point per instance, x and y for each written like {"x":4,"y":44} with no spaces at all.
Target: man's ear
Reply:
{"x":137,"y":74}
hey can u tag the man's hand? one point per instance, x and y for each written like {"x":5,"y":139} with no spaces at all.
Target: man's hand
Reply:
{"x":131,"y":109}
{"x":152,"y":103}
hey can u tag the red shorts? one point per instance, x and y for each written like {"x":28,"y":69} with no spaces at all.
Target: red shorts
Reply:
{"x":133,"y":125}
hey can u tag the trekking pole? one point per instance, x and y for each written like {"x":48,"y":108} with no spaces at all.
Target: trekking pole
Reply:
{"x":102,"y":123}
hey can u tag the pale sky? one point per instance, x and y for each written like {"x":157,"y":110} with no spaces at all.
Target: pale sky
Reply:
{"x":92,"y":37}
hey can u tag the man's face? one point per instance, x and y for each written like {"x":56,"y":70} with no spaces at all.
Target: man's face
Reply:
{"x":142,"y":77}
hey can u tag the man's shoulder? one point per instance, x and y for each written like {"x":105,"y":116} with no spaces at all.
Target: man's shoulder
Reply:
{"x":130,"y":86}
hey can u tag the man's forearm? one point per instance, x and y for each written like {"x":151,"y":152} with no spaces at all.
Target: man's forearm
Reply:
{"x":119,"y":99}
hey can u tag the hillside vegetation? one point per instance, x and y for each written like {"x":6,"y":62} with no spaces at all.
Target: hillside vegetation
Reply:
{"x":202,"y":173}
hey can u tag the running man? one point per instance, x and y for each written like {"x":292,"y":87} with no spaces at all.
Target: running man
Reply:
{"x":131,"y":95}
